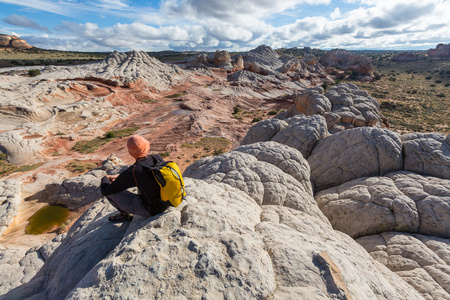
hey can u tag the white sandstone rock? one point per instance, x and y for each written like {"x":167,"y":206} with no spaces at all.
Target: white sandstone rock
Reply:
{"x":10,"y":198}
{"x":427,"y":153}
{"x":354,"y":153}
{"x":422,"y":261}
{"x":399,"y":201}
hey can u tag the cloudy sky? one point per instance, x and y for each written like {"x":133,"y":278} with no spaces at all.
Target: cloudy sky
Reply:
{"x":234,"y":25}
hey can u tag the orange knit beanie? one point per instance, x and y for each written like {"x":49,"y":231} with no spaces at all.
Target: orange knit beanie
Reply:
{"x":138,"y":146}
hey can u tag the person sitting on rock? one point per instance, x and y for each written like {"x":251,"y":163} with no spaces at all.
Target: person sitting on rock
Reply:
{"x":148,"y":202}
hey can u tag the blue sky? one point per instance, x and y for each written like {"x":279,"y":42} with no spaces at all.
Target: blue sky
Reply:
{"x":234,"y":25}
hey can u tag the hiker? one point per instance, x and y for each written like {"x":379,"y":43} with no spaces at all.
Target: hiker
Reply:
{"x":148,"y":202}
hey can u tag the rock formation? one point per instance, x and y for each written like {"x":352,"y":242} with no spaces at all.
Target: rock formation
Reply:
{"x":347,"y":60}
{"x":354,"y":153}
{"x":343,"y":106}
{"x":427,"y":153}
{"x":405,"y":57}
{"x":441,"y":51}
{"x":9,"y":202}
{"x":399,"y":201}
{"x":219,"y":243}
{"x":420,"y":260}
{"x":11,"y":42}
{"x":20,"y":265}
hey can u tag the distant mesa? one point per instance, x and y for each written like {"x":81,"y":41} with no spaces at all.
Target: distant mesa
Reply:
{"x":12,"y":43}
{"x":405,"y":57}
{"x":441,"y":51}
{"x":340,"y":58}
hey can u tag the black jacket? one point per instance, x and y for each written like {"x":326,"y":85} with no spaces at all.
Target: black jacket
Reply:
{"x":149,"y":189}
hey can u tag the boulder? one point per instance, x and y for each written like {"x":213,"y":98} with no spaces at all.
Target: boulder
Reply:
{"x":422,"y":261}
{"x":399,"y":201}
{"x":348,"y":61}
{"x":19,"y":265}
{"x":427,"y":153}
{"x":303,"y":133}
{"x":354,"y":153}
{"x":342,"y":105}
{"x":10,"y":199}
{"x":263,"y":131}
{"x":271,"y":173}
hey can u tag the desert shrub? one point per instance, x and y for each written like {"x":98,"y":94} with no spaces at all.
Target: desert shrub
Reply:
{"x":324,"y":86}
{"x":428,"y":77}
{"x":176,"y":95}
{"x":236,"y":110}
{"x":79,"y":166}
{"x":274,"y":112}
{"x":164,"y":154}
{"x":257,"y":119}
{"x":34,"y":72}
{"x":438,"y":81}
{"x":392,"y":79}
{"x":377,"y":76}
{"x":441,"y":95}
{"x":447,"y":84}
{"x":219,"y":151}
{"x":432,"y":85}
{"x":90,"y":146}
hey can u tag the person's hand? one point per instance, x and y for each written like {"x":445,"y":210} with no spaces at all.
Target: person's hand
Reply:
{"x":111,"y":178}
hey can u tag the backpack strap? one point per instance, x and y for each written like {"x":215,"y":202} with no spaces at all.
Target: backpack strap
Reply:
{"x":145,"y":195}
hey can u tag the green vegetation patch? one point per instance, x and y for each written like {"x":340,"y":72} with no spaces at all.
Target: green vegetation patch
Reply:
{"x":7,"y":168}
{"x":79,"y":166}
{"x":34,"y":72}
{"x":92,"y":145}
{"x":149,"y":100}
{"x":175,"y":95}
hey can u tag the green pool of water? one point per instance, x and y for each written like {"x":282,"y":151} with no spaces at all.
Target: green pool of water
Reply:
{"x":46,"y":218}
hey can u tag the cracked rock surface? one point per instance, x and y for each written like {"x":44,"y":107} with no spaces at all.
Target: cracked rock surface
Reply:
{"x":354,"y":153}
{"x":299,"y":132}
{"x":20,"y":265}
{"x":422,"y":261}
{"x":427,"y":153}
{"x":399,"y":201}
{"x":10,"y":199}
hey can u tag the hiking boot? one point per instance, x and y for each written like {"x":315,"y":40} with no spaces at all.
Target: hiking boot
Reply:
{"x":121,"y":217}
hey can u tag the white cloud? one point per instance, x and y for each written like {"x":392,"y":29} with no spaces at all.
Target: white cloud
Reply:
{"x":336,"y":13}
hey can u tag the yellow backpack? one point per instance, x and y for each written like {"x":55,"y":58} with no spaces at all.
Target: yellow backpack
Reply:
{"x":169,"y":178}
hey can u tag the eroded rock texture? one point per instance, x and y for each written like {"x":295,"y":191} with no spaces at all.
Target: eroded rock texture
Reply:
{"x":347,"y":60}
{"x":398,"y":201}
{"x":354,"y":153}
{"x":10,"y":199}
{"x":422,"y":261}
{"x":427,"y":153}
{"x":271,"y":173}
{"x":299,"y":132}
{"x":343,"y":106}
{"x":20,"y":265}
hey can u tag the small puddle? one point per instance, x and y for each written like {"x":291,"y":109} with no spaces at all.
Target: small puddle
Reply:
{"x":46,"y":219}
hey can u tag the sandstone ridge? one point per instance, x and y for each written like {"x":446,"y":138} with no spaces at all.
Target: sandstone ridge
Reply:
{"x":11,"y":43}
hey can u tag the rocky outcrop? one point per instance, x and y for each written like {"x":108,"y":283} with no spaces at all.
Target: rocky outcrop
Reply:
{"x":10,"y":199}
{"x":77,"y":192}
{"x":19,"y":150}
{"x":399,"y":201}
{"x":19,"y":265}
{"x":427,"y":153}
{"x":11,"y":42}
{"x":405,"y":57}
{"x":299,"y":132}
{"x":354,"y":153}
{"x":340,"y":58}
{"x":420,"y":260}
{"x":271,"y":173}
{"x":218,"y":243}
{"x":441,"y":51}
{"x":343,"y":106}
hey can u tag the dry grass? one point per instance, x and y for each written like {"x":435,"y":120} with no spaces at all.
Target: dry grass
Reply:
{"x":414,"y":96}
